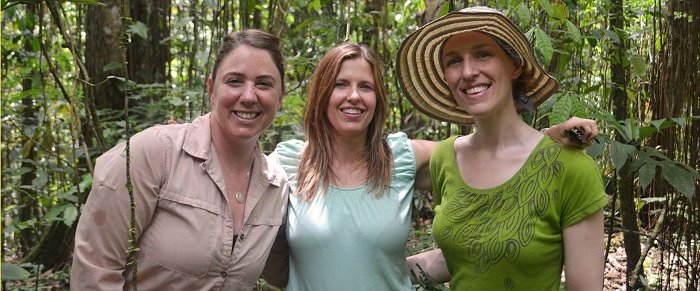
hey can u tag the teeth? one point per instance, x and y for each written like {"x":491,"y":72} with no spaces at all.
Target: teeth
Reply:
{"x":246,"y":115}
{"x":475,"y":90}
{"x":351,"y":111}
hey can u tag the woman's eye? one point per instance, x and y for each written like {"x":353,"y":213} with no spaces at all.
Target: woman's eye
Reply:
{"x":367,"y":86}
{"x":452,"y":61}
{"x":234,"y":82}
{"x":264,"y":85}
{"x":340,"y":84}
{"x":481,"y":55}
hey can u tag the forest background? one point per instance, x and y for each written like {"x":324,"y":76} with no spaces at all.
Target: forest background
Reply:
{"x":68,"y":68}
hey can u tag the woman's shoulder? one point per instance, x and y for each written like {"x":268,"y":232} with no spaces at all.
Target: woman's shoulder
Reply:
{"x":397,"y":139}
{"x":575,"y":159}
{"x":289,"y":149}
{"x":287,"y":154}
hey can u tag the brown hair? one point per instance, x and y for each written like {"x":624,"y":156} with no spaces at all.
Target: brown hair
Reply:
{"x":315,"y":170}
{"x":253,"y":38}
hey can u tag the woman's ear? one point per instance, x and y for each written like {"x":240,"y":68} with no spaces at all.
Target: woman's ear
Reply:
{"x":517,"y":70}
{"x":210,"y":90}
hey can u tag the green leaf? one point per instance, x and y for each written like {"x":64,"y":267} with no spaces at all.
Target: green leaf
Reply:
{"x":54,"y":212}
{"x":679,"y":120}
{"x":619,"y":154}
{"x":679,"y":178}
{"x":546,"y":6}
{"x":646,"y":131}
{"x":658,"y":123}
{"x":574,"y":33}
{"x":561,"y":111}
{"x":612,"y":35}
{"x":70,"y":214}
{"x":138,"y":28}
{"x":646,"y":174}
{"x":544,"y":45}
{"x":11,"y":272}
{"x":524,"y":15}
{"x":639,"y":65}
{"x":112,"y":66}
{"x":595,"y":149}
{"x":315,"y":5}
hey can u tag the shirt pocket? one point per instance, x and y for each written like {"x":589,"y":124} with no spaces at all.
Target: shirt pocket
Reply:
{"x":182,"y":234}
{"x":262,"y":228}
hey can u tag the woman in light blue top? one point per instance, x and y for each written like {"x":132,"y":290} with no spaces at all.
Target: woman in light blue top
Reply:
{"x":349,"y":214}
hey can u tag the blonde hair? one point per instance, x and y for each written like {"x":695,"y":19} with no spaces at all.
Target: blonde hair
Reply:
{"x":315,"y":171}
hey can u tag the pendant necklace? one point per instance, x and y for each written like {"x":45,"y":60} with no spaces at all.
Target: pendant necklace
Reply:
{"x":239,"y":196}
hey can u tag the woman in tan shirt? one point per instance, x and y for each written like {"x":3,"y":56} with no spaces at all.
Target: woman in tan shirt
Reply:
{"x":209,"y":204}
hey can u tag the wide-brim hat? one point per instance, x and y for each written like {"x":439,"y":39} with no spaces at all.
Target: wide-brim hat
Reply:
{"x":420,"y":69}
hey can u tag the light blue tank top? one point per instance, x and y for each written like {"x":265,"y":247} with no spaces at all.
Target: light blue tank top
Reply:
{"x":349,"y":239}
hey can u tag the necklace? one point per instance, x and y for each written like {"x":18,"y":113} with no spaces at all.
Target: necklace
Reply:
{"x":239,"y":196}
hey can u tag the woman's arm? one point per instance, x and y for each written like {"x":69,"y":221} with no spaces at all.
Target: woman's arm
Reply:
{"x":430,"y":266}
{"x":102,"y":235}
{"x":423,"y":149}
{"x":588,"y":126}
{"x":583,"y":253}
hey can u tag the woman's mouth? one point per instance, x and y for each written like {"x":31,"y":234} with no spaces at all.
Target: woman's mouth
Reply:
{"x":246,"y":115}
{"x":475,"y":90}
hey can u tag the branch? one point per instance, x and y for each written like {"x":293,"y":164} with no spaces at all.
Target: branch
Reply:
{"x":71,"y":102}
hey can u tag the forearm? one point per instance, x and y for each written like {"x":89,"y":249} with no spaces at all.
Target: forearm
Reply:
{"x":430,"y":266}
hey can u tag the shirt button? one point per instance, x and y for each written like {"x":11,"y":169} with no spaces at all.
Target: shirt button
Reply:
{"x":241,"y":237}
{"x":224,"y":274}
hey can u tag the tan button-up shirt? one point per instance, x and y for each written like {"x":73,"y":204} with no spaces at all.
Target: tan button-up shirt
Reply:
{"x":184,"y":224}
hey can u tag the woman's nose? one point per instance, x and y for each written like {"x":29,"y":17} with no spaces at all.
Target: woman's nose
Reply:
{"x":248,"y":96}
{"x":468,"y":69}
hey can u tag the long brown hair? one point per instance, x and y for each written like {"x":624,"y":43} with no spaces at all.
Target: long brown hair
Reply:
{"x":315,"y":171}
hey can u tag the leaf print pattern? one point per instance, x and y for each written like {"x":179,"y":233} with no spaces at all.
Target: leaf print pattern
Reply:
{"x":496,"y":225}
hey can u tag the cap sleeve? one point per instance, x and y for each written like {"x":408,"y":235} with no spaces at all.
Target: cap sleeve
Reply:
{"x":404,"y":166}
{"x":288,"y":155}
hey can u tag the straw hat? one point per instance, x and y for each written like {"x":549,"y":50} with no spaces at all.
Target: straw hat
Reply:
{"x":420,"y":71}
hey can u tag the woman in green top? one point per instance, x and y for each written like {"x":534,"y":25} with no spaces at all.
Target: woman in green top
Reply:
{"x":512,"y":206}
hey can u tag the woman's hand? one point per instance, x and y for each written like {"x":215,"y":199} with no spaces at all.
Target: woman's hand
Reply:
{"x":575,"y":132}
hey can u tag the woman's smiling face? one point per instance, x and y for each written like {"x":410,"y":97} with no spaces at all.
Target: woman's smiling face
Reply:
{"x":353,"y":100}
{"x":246,"y":93}
{"x":479,"y":73}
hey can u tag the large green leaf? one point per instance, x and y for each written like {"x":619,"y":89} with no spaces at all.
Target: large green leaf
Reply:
{"x":561,"y":111}
{"x":544,"y":45}
{"x":574,"y":33}
{"x":524,"y":15}
{"x":646,"y":174}
{"x":620,"y":153}
{"x":679,"y":178}
{"x":11,"y":272}
{"x":639,"y":65}
{"x":138,"y":28}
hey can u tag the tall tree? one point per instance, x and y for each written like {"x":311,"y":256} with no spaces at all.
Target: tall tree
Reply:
{"x":27,"y":194}
{"x":149,"y":56}
{"x":675,"y":92}
{"x":104,"y":54}
{"x":625,"y":180}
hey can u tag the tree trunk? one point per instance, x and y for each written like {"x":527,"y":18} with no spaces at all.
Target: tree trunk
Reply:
{"x":148,"y":57}
{"x":675,"y":92}
{"x":625,"y":186}
{"x":27,"y":193}
{"x":104,"y":54}
{"x":104,"y":57}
